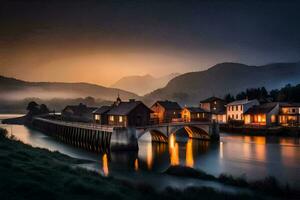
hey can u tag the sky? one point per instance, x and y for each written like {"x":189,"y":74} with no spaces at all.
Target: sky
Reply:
{"x":102,"y":41}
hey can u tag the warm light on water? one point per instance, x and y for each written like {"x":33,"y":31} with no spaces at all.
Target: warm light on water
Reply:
{"x":221,"y":149}
{"x":136,"y":164}
{"x":174,"y":151}
{"x":149,"y":156}
{"x":105,"y":165}
{"x":189,"y":154}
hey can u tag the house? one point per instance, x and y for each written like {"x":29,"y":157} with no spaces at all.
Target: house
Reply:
{"x":216,"y":106}
{"x":262,"y":115}
{"x":130,"y":113}
{"x":236,"y":109}
{"x":100,"y":114}
{"x":165,"y":111}
{"x":289,"y":114}
{"x":78,"y":113}
{"x":192,"y":114}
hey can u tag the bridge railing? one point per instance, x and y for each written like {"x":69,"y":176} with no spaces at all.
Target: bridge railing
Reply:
{"x":78,"y":124}
{"x":174,"y":124}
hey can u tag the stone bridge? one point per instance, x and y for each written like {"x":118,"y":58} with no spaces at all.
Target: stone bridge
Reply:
{"x":194,"y":130}
{"x":102,"y":138}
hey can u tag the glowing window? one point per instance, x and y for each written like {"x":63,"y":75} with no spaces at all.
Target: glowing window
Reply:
{"x":111,"y":118}
{"x":97,"y":117}
{"x":120,"y":119}
{"x":198,"y":115}
{"x":273,"y":118}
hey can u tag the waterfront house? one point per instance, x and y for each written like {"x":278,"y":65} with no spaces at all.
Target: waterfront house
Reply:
{"x":289,"y":114}
{"x":78,"y":113}
{"x":165,"y":111}
{"x":129,"y":113}
{"x":262,"y":115}
{"x":235,"y":110}
{"x":216,"y":106}
{"x":193,"y":114}
{"x":100,"y":115}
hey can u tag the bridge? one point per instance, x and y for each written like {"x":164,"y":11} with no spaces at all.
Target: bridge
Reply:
{"x":103,"y":138}
{"x":194,"y":130}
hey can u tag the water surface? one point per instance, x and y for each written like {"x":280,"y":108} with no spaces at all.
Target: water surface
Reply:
{"x":254,"y":157}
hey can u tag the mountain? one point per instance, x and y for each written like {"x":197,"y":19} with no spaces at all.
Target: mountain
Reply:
{"x":190,"y":88}
{"x":15,"y":89}
{"x":143,"y":84}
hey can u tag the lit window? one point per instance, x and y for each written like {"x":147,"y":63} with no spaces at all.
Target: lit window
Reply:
{"x":174,"y":113}
{"x":273,"y":118}
{"x":198,"y":115}
{"x":111,"y":118}
{"x":215,"y":102}
{"x":120,"y":119}
{"x":97,"y":117}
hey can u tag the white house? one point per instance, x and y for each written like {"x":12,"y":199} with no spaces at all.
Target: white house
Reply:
{"x":236,"y":109}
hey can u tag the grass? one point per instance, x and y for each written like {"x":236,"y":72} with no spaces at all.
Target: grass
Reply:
{"x":34,"y":173}
{"x":269,"y":185}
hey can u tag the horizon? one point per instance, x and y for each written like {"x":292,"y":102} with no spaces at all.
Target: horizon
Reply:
{"x":141,"y":75}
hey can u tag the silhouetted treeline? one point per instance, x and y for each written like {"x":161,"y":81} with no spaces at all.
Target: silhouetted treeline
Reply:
{"x":288,"y":93}
{"x":57,"y":104}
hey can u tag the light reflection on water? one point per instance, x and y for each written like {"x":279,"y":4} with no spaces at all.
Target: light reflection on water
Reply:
{"x":105,"y":164}
{"x":254,"y":156}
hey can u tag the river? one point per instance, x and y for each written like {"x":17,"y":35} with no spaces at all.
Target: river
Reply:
{"x":254,"y":157}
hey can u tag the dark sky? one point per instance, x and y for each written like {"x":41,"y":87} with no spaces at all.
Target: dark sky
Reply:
{"x":47,"y":40}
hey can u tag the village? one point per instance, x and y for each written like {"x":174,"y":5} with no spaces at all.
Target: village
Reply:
{"x":241,"y":113}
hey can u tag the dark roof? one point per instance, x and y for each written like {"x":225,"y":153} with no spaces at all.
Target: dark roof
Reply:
{"x":262,"y":109}
{"x":290,"y":104}
{"x":169,"y":105}
{"x":124,"y":108}
{"x":211,"y":99}
{"x":102,"y":110}
{"x":81,"y":108}
{"x":196,"y":110}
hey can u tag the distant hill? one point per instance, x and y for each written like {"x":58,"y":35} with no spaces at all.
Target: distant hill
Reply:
{"x":15,"y":89}
{"x":143,"y":84}
{"x":225,"y":78}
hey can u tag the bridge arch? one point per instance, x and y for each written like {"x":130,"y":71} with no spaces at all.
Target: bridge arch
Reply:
{"x":192,"y":131}
{"x":153,"y":135}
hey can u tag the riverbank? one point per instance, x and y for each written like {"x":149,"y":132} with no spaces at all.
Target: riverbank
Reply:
{"x":34,"y":173}
{"x":268,"y":186}
{"x":16,"y":120}
{"x":262,"y":131}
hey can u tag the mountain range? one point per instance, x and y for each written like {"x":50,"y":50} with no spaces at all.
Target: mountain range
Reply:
{"x":142,"y":85}
{"x":187,"y":89}
{"x":14,"y":89}
{"x":224,"y":78}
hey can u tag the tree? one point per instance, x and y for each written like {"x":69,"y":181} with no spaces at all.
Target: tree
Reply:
{"x":241,"y":95}
{"x":90,"y":101}
{"x":44,"y":109}
{"x":229,"y":98}
{"x":32,"y":105}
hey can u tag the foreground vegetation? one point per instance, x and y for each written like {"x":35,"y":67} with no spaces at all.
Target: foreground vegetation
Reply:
{"x":34,"y":173}
{"x":268,"y":185}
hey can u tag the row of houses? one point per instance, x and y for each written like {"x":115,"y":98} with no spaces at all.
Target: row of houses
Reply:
{"x":136,"y":113}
